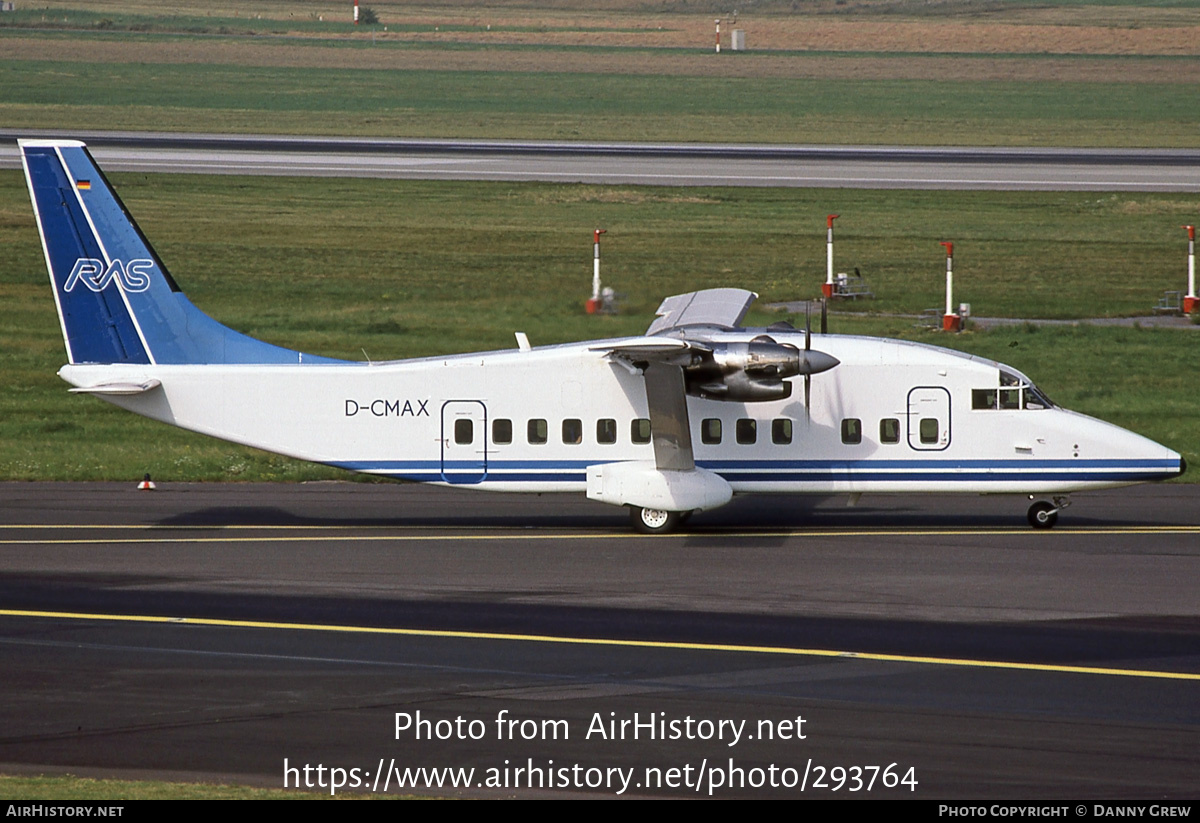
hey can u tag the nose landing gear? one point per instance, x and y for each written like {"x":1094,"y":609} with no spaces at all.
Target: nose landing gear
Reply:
{"x":1043,"y":514}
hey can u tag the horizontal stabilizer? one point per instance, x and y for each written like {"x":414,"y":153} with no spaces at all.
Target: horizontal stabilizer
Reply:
{"x":117,"y":389}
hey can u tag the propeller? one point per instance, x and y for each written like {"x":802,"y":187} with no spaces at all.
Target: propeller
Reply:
{"x":813,"y":361}
{"x":807,"y":349}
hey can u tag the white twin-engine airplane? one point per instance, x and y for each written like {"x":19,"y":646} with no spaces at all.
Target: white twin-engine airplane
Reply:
{"x":669,"y":423}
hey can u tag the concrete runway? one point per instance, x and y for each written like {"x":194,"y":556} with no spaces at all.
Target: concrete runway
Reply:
{"x":879,"y":167}
{"x":213,"y":631}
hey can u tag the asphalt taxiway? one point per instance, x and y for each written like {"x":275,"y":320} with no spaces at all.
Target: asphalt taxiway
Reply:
{"x":216,"y":631}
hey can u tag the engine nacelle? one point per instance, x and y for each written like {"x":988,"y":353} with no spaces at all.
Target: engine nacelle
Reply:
{"x":752,"y":370}
{"x":762,"y":356}
{"x":743,"y":388}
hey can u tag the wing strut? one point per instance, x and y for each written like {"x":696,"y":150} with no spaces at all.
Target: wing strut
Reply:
{"x":670,"y":430}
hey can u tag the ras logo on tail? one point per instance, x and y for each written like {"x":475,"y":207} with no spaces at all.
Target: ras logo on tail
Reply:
{"x":134,"y":276}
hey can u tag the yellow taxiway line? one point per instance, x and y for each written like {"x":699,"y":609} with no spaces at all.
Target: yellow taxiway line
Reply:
{"x":326,"y":534}
{"x":587,"y":641}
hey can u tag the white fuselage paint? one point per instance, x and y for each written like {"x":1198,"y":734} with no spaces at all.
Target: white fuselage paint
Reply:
{"x":399,"y":419}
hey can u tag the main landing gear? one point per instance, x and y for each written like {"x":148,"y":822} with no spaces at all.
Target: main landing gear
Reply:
{"x":657,"y":521}
{"x":1043,"y":514}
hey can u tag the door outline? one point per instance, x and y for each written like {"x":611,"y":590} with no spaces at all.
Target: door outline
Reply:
{"x":464,"y":463}
{"x":939,"y":397}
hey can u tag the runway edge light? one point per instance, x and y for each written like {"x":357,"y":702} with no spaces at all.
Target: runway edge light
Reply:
{"x":827,"y":288}
{"x":592,"y":305}
{"x":950,"y":320}
{"x":1191,"y":303}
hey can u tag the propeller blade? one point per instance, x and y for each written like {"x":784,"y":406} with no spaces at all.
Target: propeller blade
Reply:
{"x":807,"y":326}
{"x":824,"y":317}
{"x":807,"y":389}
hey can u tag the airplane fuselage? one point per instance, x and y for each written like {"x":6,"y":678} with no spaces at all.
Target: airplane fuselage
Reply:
{"x":893,"y":417}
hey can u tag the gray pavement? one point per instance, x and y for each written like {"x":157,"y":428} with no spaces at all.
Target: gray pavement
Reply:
{"x":211,"y":631}
{"x":881,"y":167}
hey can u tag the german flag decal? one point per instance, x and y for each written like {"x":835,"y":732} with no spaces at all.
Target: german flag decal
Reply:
{"x":83,"y":185}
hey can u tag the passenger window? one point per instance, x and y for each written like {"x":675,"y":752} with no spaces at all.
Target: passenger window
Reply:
{"x":464,"y":431}
{"x":983,"y":398}
{"x":501,"y":432}
{"x":572,"y":431}
{"x":537,"y":431}
{"x":639,"y":431}
{"x":851,"y":431}
{"x":781,"y":431}
{"x":746,"y":432}
{"x":889,"y":430}
{"x":710,"y":431}
{"x":606,"y":431}
{"x":929,"y":430}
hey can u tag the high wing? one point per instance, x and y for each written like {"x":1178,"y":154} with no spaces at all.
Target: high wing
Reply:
{"x":683,"y":353}
{"x":713,"y":308}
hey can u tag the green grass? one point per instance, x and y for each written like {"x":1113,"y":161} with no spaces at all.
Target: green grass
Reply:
{"x":24,"y":789}
{"x":595,"y":106}
{"x":405,"y":269}
{"x":202,"y":67}
{"x":80,"y":21}
{"x":483,"y":94}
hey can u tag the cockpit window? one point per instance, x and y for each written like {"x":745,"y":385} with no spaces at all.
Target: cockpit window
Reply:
{"x":983,"y":398}
{"x":1035,"y":398}
{"x":1013,"y":395}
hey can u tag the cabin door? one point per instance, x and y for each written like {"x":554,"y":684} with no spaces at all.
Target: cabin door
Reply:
{"x":464,"y":441}
{"x":929,"y":418}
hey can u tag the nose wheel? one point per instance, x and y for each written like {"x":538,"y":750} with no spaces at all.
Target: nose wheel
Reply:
{"x":1043,"y":514}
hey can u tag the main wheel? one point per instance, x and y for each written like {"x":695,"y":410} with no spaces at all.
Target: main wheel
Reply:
{"x":654,"y":521}
{"x":1042,"y":515}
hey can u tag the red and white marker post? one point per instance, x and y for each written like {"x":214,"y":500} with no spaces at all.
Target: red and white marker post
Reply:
{"x":1191,"y":303}
{"x":827,"y":288}
{"x":718,"y":35}
{"x":356,"y":12}
{"x":593,"y":303}
{"x":950,"y":320}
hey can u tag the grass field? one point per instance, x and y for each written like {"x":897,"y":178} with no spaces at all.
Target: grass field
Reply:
{"x":875,"y":72}
{"x":402,"y":269}
{"x":86,"y":789}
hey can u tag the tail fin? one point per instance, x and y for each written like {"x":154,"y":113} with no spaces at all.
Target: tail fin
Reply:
{"x":116,"y":301}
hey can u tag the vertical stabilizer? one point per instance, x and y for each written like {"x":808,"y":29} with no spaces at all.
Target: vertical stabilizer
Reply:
{"x":116,"y":301}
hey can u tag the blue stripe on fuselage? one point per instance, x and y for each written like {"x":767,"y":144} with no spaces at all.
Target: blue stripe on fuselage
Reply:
{"x":808,"y":471}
